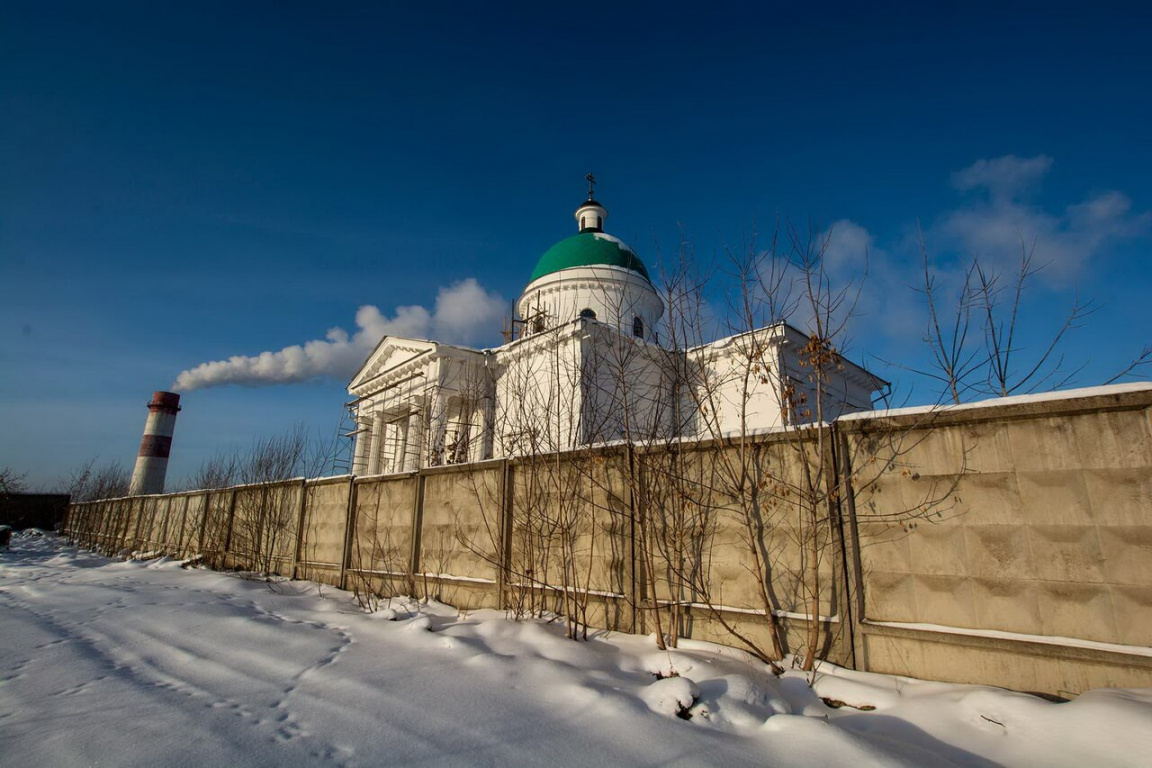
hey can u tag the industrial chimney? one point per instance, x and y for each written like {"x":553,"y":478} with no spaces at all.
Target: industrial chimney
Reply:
{"x":152,"y":461}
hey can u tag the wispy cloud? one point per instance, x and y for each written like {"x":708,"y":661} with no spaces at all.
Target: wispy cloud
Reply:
{"x":875,"y":283}
{"x":998,"y":221}
{"x":464,"y":313}
{"x":991,"y":222}
{"x":1003,"y":177}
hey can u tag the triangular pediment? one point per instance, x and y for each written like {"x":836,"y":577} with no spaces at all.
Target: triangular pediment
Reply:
{"x":391,"y":353}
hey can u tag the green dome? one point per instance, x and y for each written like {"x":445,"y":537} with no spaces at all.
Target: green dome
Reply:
{"x":589,"y":249}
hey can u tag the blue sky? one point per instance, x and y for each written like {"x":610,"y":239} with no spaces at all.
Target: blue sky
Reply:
{"x":182,"y":184}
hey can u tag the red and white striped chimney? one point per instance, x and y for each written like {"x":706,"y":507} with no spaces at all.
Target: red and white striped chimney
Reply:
{"x":152,"y":461}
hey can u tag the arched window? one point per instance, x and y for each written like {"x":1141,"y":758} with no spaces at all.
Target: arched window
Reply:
{"x":588,"y":314}
{"x":597,"y":222}
{"x":583,"y":223}
{"x":638,"y":327}
{"x":538,"y":325}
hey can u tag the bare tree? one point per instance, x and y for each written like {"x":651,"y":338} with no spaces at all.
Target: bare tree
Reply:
{"x":814,"y":401}
{"x":772,"y":497}
{"x":1138,"y":363}
{"x":1002,"y":306}
{"x":90,"y":482}
{"x":957,"y":354}
{"x":729,"y":489}
{"x":267,"y":508}
{"x":977,"y":345}
{"x":12,"y":481}
{"x":219,"y":471}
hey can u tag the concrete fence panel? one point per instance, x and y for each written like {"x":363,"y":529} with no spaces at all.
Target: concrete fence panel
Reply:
{"x":326,"y":512}
{"x":459,"y":552}
{"x":382,"y":542}
{"x":265,"y":527}
{"x":1036,"y":556}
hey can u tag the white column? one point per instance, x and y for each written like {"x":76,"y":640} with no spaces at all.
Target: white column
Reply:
{"x":482,"y":446}
{"x":437,"y":427}
{"x":377,"y":445}
{"x":388,"y":447}
{"x":414,"y":456}
{"x":400,"y":460}
{"x":360,"y":454}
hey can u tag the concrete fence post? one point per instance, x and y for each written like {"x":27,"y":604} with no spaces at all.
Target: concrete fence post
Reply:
{"x":143,"y":506}
{"x":180,"y":548}
{"x":349,"y":532}
{"x":300,"y":518}
{"x":112,"y":527}
{"x":159,"y":532}
{"x":504,"y":553}
{"x":850,"y":546}
{"x":204,"y":514}
{"x":637,"y":476}
{"x":101,"y":533}
{"x":835,"y":487}
{"x":228,"y":531}
{"x":105,"y":525}
{"x":99,"y":521}
{"x":174,"y":536}
{"x":123,"y":523}
{"x":417,"y":525}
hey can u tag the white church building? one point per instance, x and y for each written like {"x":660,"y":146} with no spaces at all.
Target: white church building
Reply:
{"x":583,"y":364}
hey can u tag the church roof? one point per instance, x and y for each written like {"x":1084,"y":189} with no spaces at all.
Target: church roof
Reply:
{"x":589,"y":249}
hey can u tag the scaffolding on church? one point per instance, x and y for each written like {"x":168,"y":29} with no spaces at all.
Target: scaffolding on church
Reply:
{"x":343,"y":454}
{"x":518,"y":328}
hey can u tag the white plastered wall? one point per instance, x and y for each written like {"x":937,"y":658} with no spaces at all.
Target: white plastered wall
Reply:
{"x":617,"y":296}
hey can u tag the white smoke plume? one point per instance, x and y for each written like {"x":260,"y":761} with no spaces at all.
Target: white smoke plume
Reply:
{"x":465,"y":313}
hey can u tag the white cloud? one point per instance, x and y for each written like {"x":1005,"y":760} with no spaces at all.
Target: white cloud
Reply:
{"x":884,"y":277}
{"x":465,"y":313}
{"x":861,"y":291}
{"x":848,"y":249}
{"x":996,"y":228}
{"x":873,"y":282}
{"x":1003,"y":177}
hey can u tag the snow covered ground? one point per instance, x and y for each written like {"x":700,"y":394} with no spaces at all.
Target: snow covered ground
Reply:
{"x":146,"y":663}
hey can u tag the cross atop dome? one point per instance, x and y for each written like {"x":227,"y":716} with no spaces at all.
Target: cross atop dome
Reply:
{"x":591,"y":215}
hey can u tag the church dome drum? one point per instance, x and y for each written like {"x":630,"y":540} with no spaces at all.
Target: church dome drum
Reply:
{"x":591,"y":275}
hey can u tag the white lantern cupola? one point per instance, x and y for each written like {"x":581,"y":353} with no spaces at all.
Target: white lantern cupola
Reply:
{"x":591,"y":215}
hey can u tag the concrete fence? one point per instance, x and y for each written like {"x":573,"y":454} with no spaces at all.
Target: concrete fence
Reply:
{"x":1007,"y":543}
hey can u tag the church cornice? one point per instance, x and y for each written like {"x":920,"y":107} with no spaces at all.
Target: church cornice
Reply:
{"x":376,"y":384}
{"x":532,"y":343}
{"x":376,"y":364}
{"x":600,"y":274}
{"x":769,"y":337}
